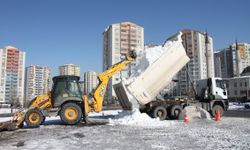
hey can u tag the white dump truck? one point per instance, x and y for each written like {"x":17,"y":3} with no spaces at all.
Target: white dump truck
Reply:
{"x":143,"y":87}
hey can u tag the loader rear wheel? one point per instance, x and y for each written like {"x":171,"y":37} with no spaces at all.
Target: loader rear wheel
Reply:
{"x":33,"y":118}
{"x":159,"y":112}
{"x":71,"y":113}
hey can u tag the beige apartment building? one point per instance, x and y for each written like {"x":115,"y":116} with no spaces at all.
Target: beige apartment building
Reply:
{"x":69,"y":69}
{"x":199,"y":48}
{"x":231,"y":61}
{"x":37,"y":81}
{"x":90,"y":82}
{"x":118,"y":40}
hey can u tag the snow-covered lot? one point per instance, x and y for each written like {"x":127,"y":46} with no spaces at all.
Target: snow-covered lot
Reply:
{"x":229,"y":133}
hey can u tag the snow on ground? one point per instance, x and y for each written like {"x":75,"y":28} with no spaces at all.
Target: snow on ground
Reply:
{"x":236,"y":106}
{"x":3,"y":119}
{"x":136,"y":118}
{"x":5,"y":110}
{"x":229,"y":133}
{"x":194,"y":112}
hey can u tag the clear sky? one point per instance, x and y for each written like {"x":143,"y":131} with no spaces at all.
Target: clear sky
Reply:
{"x":56,"y":32}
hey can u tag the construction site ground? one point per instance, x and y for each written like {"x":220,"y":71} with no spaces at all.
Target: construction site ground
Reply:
{"x":232,"y":132}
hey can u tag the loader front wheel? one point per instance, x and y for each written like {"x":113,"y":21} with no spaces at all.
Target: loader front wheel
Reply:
{"x":71,"y":113}
{"x":34,"y":118}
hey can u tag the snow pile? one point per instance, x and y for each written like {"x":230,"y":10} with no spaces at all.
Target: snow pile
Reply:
{"x":4,"y":119}
{"x":5,"y":110}
{"x":136,"y":118}
{"x":195,"y":112}
{"x":236,"y":106}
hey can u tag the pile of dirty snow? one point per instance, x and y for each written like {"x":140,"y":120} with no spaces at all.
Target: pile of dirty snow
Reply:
{"x":236,"y":106}
{"x":136,"y":118}
{"x":194,"y":112}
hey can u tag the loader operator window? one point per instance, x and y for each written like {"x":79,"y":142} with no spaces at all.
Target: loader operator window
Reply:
{"x":73,"y":89}
{"x":61,"y":89}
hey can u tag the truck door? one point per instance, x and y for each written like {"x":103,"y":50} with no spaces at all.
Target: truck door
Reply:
{"x":219,"y":89}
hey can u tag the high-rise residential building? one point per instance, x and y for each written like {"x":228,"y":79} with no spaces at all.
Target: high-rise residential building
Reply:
{"x":118,"y":40}
{"x":69,"y":69}
{"x":37,"y":81}
{"x":222,"y":59}
{"x":233,"y":60}
{"x":199,"y":48}
{"x":12,"y":63}
{"x":90,"y":82}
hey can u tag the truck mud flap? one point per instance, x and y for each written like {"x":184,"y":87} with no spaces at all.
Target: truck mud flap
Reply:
{"x":122,"y":96}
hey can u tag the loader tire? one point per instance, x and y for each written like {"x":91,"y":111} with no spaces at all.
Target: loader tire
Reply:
{"x":159,"y":112}
{"x":34,"y":118}
{"x":71,"y":113}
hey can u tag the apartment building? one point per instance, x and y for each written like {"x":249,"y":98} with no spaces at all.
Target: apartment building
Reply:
{"x":118,"y":40}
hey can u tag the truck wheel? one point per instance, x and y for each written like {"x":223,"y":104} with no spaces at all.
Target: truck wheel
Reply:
{"x":34,"y":118}
{"x":217,"y":108}
{"x":71,"y":113}
{"x":175,"y":111}
{"x":160,"y":112}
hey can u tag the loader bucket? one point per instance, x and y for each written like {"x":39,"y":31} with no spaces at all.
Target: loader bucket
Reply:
{"x":7,"y":126}
{"x":122,"y":96}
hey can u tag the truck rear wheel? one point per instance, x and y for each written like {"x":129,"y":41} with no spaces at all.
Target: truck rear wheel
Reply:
{"x":71,"y":113}
{"x":34,"y":118}
{"x":159,"y":112}
{"x":217,"y":108}
{"x":175,"y":111}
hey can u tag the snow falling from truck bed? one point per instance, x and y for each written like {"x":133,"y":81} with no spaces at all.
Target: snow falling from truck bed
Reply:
{"x":135,"y":117}
{"x":149,"y":56}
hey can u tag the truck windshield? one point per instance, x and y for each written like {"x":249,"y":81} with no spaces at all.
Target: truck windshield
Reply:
{"x":220,"y":83}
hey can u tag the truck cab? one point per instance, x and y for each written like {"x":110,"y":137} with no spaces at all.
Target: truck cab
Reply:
{"x":211,"y":89}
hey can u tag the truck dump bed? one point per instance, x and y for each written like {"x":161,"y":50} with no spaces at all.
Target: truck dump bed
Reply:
{"x":144,"y":87}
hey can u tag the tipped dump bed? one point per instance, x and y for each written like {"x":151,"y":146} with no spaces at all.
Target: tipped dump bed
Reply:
{"x":144,"y":87}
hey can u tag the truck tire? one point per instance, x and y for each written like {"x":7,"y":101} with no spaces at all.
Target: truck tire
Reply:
{"x":217,"y":108}
{"x":159,"y":112}
{"x":175,"y":111}
{"x":34,"y":118}
{"x":71,"y":113}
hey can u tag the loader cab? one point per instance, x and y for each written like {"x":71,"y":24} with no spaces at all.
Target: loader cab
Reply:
{"x":65,"y":88}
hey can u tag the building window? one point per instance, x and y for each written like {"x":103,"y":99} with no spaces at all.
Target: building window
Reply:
{"x":245,"y":84}
{"x":235,"y":92}
{"x":240,"y":84}
{"x":235,"y":84}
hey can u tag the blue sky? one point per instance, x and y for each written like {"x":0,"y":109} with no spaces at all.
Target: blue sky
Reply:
{"x":55,"y":32}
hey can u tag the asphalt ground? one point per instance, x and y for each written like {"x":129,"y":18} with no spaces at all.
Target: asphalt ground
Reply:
{"x":244,"y":113}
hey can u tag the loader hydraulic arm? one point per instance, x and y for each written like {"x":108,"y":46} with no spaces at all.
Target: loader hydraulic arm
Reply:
{"x":97,"y":102}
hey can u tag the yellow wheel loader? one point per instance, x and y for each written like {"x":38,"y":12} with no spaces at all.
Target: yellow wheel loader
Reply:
{"x":66,"y":100}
